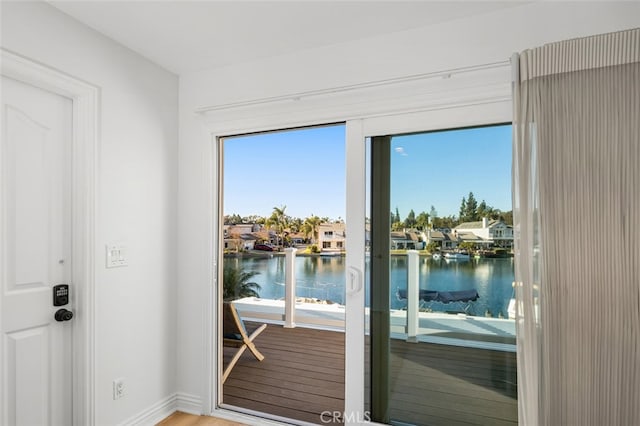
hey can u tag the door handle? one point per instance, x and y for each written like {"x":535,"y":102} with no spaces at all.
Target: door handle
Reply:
{"x":354,"y":281}
{"x":63,"y":315}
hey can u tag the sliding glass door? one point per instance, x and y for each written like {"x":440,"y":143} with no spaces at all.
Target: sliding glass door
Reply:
{"x":422,"y":330}
{"x":436,"y":335}
{"x":281,"y":351}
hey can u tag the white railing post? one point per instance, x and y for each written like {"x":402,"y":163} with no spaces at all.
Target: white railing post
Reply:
{"x":290,"y":288}
{"x":413,"y":294}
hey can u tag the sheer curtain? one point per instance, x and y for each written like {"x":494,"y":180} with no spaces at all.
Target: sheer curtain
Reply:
{"x":576,"y":180}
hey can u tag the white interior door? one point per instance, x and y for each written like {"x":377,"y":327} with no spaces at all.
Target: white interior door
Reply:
{"x":35,"y":255}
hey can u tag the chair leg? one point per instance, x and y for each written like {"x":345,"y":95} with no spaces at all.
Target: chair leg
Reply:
{"x":254,"y":350}
{"x":251,"y":346}
{"x":233,"y":362}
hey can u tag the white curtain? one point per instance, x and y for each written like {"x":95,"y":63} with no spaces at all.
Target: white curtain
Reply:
{"x":576,"y":180}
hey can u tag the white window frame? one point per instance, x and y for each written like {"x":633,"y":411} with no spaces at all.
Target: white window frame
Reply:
{"x":466,"y":97}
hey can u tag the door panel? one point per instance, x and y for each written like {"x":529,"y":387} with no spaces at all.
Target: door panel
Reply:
{"x":28,"y":146}
{"x":301,"y":374}
{"x":432,"y":359}
{"x":27,"y":353}
{"x":35,"y":254}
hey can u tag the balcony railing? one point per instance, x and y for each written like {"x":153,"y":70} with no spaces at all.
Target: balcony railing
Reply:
{"x":411,"y":324}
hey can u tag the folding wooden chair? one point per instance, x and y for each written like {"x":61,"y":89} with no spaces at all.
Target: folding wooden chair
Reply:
{"x":235,"y":334}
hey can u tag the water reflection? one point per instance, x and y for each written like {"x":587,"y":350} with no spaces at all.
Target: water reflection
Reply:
{"x":324,"y":278}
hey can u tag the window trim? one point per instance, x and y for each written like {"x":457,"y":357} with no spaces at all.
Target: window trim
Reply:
{"x":487,"y":101}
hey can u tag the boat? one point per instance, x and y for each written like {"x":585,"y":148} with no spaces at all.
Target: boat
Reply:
{"x":330,"y":253}
{"x":436,"y":256}
{"x":457,"y":255}
{"x":498,"y":253}
{"x":442,"y":296}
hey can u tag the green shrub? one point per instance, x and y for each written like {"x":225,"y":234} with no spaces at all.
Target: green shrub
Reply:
{"x":236,"y":284}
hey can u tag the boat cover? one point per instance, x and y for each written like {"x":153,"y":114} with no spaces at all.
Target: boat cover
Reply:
{"x":444,"y":296}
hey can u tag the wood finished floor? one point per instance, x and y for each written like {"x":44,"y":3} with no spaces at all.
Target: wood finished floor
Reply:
{"x":435,"y":385}
{"x":183,"y":419}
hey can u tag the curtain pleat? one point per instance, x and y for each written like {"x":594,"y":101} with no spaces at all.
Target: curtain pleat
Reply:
{"x":577,"y":219}
{"x":581,"y":54}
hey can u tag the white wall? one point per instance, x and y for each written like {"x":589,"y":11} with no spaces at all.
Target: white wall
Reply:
{"x":137,"y":201}
{"x":139,"y":333}
{"x":467,"y":42}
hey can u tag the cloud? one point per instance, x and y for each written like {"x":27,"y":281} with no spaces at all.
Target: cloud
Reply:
{"x":400,"y":150}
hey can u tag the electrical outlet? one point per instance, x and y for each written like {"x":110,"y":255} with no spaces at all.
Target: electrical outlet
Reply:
{"x":118,"y":388}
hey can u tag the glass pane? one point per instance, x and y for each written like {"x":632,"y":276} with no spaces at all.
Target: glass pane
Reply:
{"x":284,"y":266}
{"x":446,"y":353}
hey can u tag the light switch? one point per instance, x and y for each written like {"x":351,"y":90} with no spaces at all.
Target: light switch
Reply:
{"x":116,"y":255}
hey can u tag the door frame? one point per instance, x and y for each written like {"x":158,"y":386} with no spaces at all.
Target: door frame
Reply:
{"x":84,"y":161}
{"x":462,"y":97}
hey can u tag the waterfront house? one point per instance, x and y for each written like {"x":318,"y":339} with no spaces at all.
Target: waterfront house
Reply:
{"x":242,"y":236}
{"x":265,"y":236}
{"x":240,"y":242}
{"x":444,"y":240}
{"x":146,"y":93}
{"x":406,"y":240}
{"x":242,"y":228}
{"x":331,"y":237}
{"x":297,"y":238}
{"x":489,"y":232}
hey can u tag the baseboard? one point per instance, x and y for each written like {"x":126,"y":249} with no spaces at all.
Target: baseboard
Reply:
{"x":188,"y":403}
{"x":164,"y":408}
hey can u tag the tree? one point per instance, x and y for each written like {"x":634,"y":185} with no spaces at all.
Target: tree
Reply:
{"x":422,"y":221}
{"x":252,"y":219}
{"x":472,"y":208}
{"x":483,"y":209}
{"x":410,"y":221}
{"x":278,"y":220}
{"x":396,"y":218}
{"x":237,"y":239}
{"x":236,"y":283}
{"x":397,"y":226}
{"x":507,"y":217}
{"x":467,"y":245}
{"x":469,"y":209}
{"x":433,"y":246}
{"x":232,"y":219}
{"x":310,"y":227}
{"x":444,"y":222}
{"x":433,"y":213}
{"x":295,"y":225}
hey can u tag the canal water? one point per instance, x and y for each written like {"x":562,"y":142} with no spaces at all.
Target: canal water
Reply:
{"x":324,"y":278}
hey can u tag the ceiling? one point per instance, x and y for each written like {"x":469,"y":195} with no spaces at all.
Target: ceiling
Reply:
{"x":185,"y":36}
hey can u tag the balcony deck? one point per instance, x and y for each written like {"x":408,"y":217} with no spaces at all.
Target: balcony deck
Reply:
{"x":431,"y":384}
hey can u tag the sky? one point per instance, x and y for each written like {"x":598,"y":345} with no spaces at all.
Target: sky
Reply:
{"x":304,"y":170}
{"x":439,"y":168}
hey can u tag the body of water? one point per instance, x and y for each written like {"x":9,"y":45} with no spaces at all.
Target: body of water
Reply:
{"x":324,"y":278}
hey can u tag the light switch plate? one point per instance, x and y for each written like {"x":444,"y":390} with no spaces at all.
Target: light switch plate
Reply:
{"x":116,"y":255}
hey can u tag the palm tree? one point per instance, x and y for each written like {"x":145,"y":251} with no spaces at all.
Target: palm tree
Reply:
{"x":236,"y":284}
{"x":295,"y":225}
{"x":310,"y":227}
{"x":278,"y":220}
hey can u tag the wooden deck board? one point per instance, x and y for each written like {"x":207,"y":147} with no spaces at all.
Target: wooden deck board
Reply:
{"x":303,"y":375}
